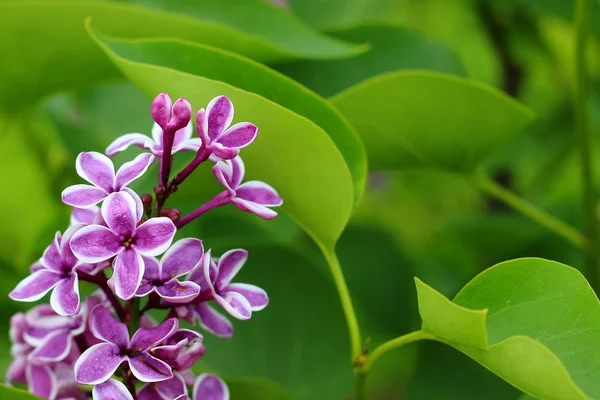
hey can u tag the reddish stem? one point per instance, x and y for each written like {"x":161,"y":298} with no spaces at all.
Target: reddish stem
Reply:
{"x":219,"y":200}
{"x":201,"y":156}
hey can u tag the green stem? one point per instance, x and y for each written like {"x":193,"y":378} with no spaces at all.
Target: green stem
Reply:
{"x":342,"y":289}
{"x":134,"y":315}
{"x":394,"y":344}
{"x":529,"y":210}
{"x":360,"y":381}
{"x":584,"y":138}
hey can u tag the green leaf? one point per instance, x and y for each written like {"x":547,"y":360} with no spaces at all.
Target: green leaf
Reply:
{"x":392,"y":48}
{"x":255,"y":389}
{"x":298,"y":340}
{"x":340,"y":13}
{"x":531,"y":321}
{"x":427,"y":119}
{"x":11,"y":393}
{"x":50,"y":50}
{"x":292,"y":153}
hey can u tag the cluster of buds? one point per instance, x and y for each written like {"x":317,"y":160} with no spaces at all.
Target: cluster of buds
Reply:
{"x":109,"y":340}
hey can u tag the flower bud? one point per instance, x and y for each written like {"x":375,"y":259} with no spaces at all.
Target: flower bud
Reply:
{"x":161,"y":110}
{"x":174,"y":214}
{"x":182,"y":113}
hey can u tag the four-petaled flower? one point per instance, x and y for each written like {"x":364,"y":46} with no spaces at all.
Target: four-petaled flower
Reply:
{"x":213,"y":128}
{"x":252,"y":196}
{"x":124,"y":239}
{"x":183,"y":141}
{"x":98,"y":363}
{"x":161,"y":276}
{"x":99,"y":170}
{"x":57,"y":269}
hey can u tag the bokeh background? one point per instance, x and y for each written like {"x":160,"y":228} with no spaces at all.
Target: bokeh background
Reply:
{"x":413,"y":222}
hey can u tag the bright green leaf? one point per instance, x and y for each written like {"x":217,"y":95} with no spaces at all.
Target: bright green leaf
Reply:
{"x":427,"y":119}
{"x":255,"y":389}
{"x":531,"y":321}
{"x":392,"y":48}
{"x":50,"y":50}
{"x":11,"y":393}
{"x":340,"y":13}
{"x":292,"y":153}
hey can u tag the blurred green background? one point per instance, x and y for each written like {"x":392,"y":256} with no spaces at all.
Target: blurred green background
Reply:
{"x":413,"y":222}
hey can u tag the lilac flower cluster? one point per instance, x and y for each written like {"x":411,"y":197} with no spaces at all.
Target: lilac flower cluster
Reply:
{"x":108,"y":340}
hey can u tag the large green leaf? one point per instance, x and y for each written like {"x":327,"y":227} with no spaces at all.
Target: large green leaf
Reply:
{"x":292,"y":153}
{"x":392,"y":48}
{"x":7,"y":392}
{"x":50,"y":50}
{"x":531,"y":321}
{"x":244,"y":388}
{"x":427,"y":119}
{"x":340,"y":13}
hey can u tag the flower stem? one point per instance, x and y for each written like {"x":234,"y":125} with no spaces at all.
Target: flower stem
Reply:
{"x":166,"y":160}
{"x":201,"y":156}
{"x":346,"y":300}
{"x":360,"y":380}
{"x":100,"y":280}
{"x":529,"y":210}
{"x":394,"y":344}
{"x":219,"y":200}
{"x":584,"y":139}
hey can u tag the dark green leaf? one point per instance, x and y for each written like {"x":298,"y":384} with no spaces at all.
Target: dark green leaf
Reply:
{"x":10,"y":393}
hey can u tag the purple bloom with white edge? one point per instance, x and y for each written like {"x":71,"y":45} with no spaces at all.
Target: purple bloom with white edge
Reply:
{"x":124,"y":240}
{"x":217,"y":136}
{"x":98,"y":363}
{"x":210,"y":387}
{"x":172,"y":388}
{"x":53,"y":336}
{"x":254,"y":196}
{"x":86,"y":216}
{"x":183,"y":141}
{"x":99,"y":170}
{"x":56,"y":271}
{"x":161,"y":276}
{"x":111,"y":390}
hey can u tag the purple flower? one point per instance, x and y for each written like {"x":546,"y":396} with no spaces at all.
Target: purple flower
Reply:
{"x":97,"y":364}
{"x":183,"y":141}
{"x":86,"y":216}
{"x":161,"y":277}
{"x":253,"y":196}
{"x":53,"y":336}
{"x":99,"y":170}
{"x":210,"y":387}
{"x":111,"y":390}
{"x":124,"y":239}
{"x":217,"y":136}
{"x":238,"y":299}
{"x":57,"y":270}
{"x":19,"y":350}
{"x":173,"y":388}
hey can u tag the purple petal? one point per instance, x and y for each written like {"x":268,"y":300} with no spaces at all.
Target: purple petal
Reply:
{"x":86,"y":216}
{"x":161,"y":109}
{"x":65,"y":296}
{"x":235,"y":304}
{"x":183,"y":135}
{"x":149,"y":369}
{"x":35,"y":286}
{"x":98,"y":363}
{"x":257,"y":297}
{"x":97,"y":169}
{"x":154,"y":236}
{"x":224,"y":153}
{"x":256,"y":209}
{"x":152,"y":271}
{"x":83,"y":196}
{"x":210,"y":387}
{"x":119,"y":212}
{"x":68,"y":258}
{"x":123,"y":142}
{"x":145,"y":338}
{"x":95,"y":243}
{"x":132,"y":170}
{"x":239,"y":135}
{"x":189,"y":356}
{"x":52,"y":259}
{"x":259,"y":193}
{"x":149,"y":392}
{"x":41,"y":381}
{"x":128,"y":273}
{"x":188,"y":145}
{"x":178,"y":292}
{"x":111,"y":390}
{"x":229,"y":265}
{"x":157,"y":135}
{"x":16,"y":370}
{"x":213,"y":321}
{"x":205,"y":274}
{"x":139,"y":207}
{"x":172,"y":388}
{"x":222,"y":171}
{"x":181,"y":258}
{"x":105,"y":327}
{"x":145,"y":288}
{"x":219,"y":114}
{"x":55,"y":347}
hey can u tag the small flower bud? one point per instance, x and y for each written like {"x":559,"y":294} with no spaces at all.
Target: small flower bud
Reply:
{"x":159,"y":190}
{"x":182,"y":113}
{"x":147,"y":200}
{"x":161,"y":110}
{"x":174,"y":214}
{"x":164,"y":212}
